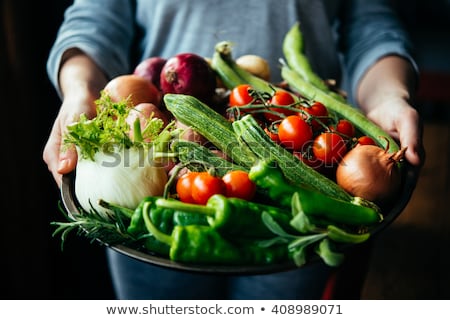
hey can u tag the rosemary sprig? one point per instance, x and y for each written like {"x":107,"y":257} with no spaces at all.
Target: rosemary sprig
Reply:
{"x":109,"y":229}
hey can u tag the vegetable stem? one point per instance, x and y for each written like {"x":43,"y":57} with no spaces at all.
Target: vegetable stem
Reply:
{"x":185,"y":207}
{"x":137,"y":132}
{"x":160,"y":236}
{"x":297,"y":83}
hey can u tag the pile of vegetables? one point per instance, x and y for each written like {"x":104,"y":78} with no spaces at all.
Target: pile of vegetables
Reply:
{"x":280,"y":173}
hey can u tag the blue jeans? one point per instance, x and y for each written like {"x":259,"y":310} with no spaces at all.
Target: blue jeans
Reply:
{"x":136,"y":280}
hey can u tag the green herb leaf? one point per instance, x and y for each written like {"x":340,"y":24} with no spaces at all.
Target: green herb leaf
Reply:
{"x":273,"y":226}
{"x":300,"y":221}
{"x":109,"y":228}
{"x":330,"y":257}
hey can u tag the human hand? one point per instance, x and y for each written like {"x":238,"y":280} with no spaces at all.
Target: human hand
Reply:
{"x":81,"y":81}
{"x":385,"y":95}
{"x":400,"y":120}
{"x":62,"y":159}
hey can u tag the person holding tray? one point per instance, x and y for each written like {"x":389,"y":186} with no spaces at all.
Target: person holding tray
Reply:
{"x":361,"y":44}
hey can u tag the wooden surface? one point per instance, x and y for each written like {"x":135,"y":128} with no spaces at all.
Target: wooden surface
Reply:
{"x":410,"y":259}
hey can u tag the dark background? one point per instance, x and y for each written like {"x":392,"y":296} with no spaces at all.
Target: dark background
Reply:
{"x":32,"y":264}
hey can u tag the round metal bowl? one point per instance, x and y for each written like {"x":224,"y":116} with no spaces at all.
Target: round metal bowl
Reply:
{"x":72,"y":207}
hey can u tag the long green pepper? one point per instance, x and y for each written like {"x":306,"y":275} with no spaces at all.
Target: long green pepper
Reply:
{"x":164,"y":219}
{"x":313,"y":203}
{"x":233,"y":216}
{"x":204,"y":244}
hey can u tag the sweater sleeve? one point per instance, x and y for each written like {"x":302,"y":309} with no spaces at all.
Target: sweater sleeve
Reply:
{"x":370,"y":30}
{"x":103,"y":29}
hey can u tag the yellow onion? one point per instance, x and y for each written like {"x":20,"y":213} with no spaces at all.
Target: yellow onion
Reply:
{"x":255,"y":64}
{"x":371,"y":172}
{"x":134,"y":87}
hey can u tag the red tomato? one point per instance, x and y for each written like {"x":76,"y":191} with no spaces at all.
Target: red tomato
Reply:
{"x":329,"y":147}
{"x":240,"y":96}
{"x":346,"y":128}
{"x":294,"y":132}
{"x":366,"y":140}
{"x":317,"y":109}
{"x":309,"y":160}
{"x":273,"y":133}
{"x":184,"y":187}
{"x":280,"y":98}
{"x":205,"y":185}
{"x":239,"y":185}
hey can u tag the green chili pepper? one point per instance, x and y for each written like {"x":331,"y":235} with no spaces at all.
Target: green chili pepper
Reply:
{"x":163,"y":218}
{"x":204,"y":244}
{"x":313,"y":203}
{"x":137,"y":225}
{"x":233,"y":215}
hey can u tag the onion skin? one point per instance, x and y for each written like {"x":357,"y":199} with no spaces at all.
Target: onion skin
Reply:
{"x":138,"y":89}
{"x":370,"y":172}
{"x":190,"y":74}
{"x":255,"y":64}
{"x":150,"y":69}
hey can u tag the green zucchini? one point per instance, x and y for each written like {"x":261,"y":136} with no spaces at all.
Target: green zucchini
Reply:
{"x":210,"y":124}
{"x":226,"y":74}
{"x":252,"y":135}
{"x":233,"y":75}
{"x":194,"y":155}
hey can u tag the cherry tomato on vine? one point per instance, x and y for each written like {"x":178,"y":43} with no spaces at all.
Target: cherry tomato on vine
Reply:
{"x":345,"y":127}
{"x":329,"y":147}
{"x":317,"y":109}
{"x":272,"y":135}
{"x":366,"y":140}
{"x":280,"y":98}
{"x":240,"y":96}
{"x":272,"y":132}
{"x":294,"y":132}
{"x":310,"y":160}
{"x":205,"y":185}
{"x":239,"y":185}
{"x":184,"y":187}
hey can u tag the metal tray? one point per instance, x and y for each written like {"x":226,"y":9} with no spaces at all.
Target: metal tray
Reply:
{"x":71,"y":205}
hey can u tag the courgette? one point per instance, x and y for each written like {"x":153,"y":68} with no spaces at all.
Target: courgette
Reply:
{"x":210,"y":124}
{"x":194,"y":155}
{"x":233,"y":75}
{"x":225,"y":72}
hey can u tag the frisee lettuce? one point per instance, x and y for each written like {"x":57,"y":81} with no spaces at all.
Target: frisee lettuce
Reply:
{"x":109,"y":129}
